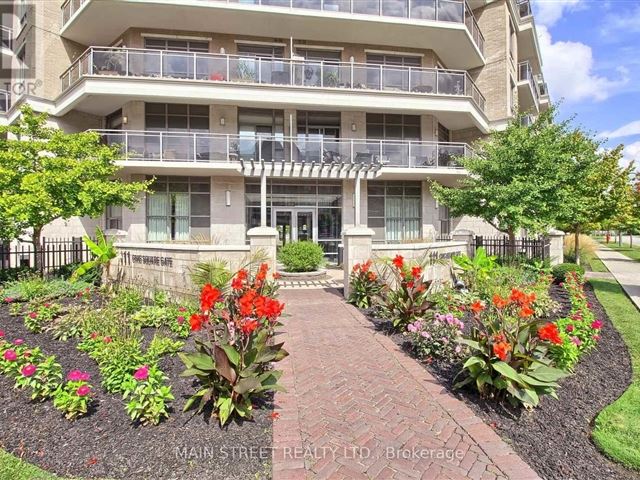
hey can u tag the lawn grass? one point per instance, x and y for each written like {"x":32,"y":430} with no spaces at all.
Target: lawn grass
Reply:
{"x":15,"y":469}
{"x":617,"y":427}
{"x":631,"y":252}
{"x":594,"y":262}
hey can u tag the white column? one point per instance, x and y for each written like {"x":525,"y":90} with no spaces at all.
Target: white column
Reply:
{"x":357,"y":200}
{"x":263,"y":196}
{"x":357,"y":243}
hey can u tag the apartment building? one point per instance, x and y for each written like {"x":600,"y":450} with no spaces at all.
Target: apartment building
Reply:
{"x":309,"y":116}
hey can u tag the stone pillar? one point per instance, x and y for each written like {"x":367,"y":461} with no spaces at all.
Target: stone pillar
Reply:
{"x":357,"y":249}
{"x":264,"y":239}
{"x":556,"y":251}
{"x":464,"y":236}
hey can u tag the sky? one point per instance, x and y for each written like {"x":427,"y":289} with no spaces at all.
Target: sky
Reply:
{"x":591,"y":63}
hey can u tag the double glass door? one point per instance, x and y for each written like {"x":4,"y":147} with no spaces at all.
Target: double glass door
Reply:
{"x":295,"y":224}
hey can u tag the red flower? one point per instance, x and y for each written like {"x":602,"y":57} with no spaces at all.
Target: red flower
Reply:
{"x":477,"y":306}
{"x":501,"y":350}
{"x":596,"y":324}
{"x":569,"y":328}
{"x":549,"y":332}
{"x":276,"y":276}
{"x":268,"y":307}
{"x":245,"y":303}
{"x":366,"y":266}
{"x":356,"y":267}
{"x":526,"y":311}
{"x":274,"y":415}
{"x":500,"y":302}
{"x":208,"y":297}
{"x":398,"y":261}
{"x":410,"y":284}
{"x":107,"y":339}
{"x":262,"y":274}
{"x":236,"y":284}
{"x":416,"y":271}
{"x":239,"y":279}
{"x":248,"y":326}
{"x":372,"y":276}
{"x":196,"y":321}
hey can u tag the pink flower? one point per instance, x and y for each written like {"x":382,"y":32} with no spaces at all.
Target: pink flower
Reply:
{"x":576,"y":341}
{"x":83,"y":391}
{"x":596,"y":338}
{"x":142,"y":373}
{"x":33,"y":315}
{"x":1,"y":333}
{"x":180,"y":320}
{"x":47,"y":305}
{"x":9,"y":300}
{"x":84,"y":377}
{"x":94,"y":335}
{"x":182,"y":309}
{"x":10,"y":355}
{"x":596,"y":325}
{"x":569,"y":328}
{"x":18,"y":341}
{"x":107,"y":340}
{"x":75,"y":376}
{"x":28,"y":370}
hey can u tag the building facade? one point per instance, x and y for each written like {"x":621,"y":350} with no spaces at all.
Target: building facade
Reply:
{"x":310,"y":116}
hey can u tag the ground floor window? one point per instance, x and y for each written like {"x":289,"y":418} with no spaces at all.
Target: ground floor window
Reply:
{"x":394,"y":210}
{"x":445,"y":220}
{"x":113,"y":217}
{"x":179,"y":209}
{"x":300,"y":211}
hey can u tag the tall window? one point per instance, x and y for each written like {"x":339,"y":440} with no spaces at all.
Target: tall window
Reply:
{"x":394,"y":210}
{"x":179,"y":209}
{"x":113,"y":217}
{"x":176,"y":117}
{"x":444,"y":134}
{"x":445,"y":220}
{"x":386,"y":126}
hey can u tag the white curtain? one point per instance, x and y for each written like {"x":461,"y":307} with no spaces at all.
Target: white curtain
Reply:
{"x":412,"y":213}
{"x":181,"y":203}
{"x":393,"y":215}
{"x":157,"y":220}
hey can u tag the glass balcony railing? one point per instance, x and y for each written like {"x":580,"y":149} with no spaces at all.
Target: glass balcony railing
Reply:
{"x":523,"y":8}
{"x":457,"y":11}
{"x":270,"y":71}
{"x":525,"y":73}
{"x":220,"y":148}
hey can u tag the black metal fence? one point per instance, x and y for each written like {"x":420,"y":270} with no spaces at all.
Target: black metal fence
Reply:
{"x":538,"y":248}
{"x":53,"y":253}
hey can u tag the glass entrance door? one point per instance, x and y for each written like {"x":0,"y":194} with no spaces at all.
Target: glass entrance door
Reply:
{"x":295,"y":225}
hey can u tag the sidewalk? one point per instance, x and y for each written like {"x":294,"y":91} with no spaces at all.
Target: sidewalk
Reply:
{"x":625,"y":270}
{"x":356,"y":406}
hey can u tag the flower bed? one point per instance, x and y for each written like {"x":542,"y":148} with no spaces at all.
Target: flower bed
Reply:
{"x":119,"y":396}
{"x":517,"y":340}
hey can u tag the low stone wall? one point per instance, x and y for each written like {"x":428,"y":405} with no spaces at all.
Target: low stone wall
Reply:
{"x":442,"y":251}
{"x":168,"y":266}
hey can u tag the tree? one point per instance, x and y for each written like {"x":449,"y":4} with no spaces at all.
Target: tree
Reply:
{"x":597,"y":189}
{"x":46,"y":174}
{"x":515,"y":178}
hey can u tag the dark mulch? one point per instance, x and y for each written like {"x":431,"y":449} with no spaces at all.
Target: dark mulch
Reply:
{"x":106,"y":444}
{"x":555,"y":438}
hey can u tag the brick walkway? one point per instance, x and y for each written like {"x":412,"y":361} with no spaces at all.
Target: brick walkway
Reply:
{"x":358,"y":407}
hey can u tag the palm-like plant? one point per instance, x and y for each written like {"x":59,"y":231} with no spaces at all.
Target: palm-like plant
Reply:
{"x":103,"y":250}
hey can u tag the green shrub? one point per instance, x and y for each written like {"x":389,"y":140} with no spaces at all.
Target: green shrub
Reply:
{"x":560,"y":271}
{"x":301,"y":256}
{"x":36,"y":288}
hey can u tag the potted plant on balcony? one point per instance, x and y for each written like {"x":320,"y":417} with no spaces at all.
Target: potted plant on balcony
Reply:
{"x":217,"y":77}
{"x":331,"y":79}
{"x":247,"y":71}
{"x":112,"y":63}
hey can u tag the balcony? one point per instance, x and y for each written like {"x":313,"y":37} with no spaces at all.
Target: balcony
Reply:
{"x":447,"y":26}
{"x":203,"y":149}
{"x":523,"y":7}
{"x":528,"y":95}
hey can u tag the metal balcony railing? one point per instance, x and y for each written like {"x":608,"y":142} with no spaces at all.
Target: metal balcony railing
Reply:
{"x":525,"y":73}
{"x":5,"y":101}
{"x":457,"y":11}
{"x":7,"y":37}
{"x":125,"y":62}
{"x":221,"y":148}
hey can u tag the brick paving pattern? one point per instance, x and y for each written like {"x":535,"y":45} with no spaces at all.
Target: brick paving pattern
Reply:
{"x":356,"y":406}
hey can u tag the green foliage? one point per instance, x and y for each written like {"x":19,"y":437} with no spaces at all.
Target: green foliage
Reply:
{"x":477,"y":269}
{"x":37,"y":318}
{"x":148,"y":399}
{"x":103,"y":252}
{"x":153,"y":316}
{"x":162,"y":345}
{"x":45,"y":381}
{"x":47,"y":174}
{"x":127,"y":300}
{"x":70,"y":325}
{"x":117,"y":360}
{"x":33,"y":288}
{"x":561,"y":270}
{"x":518,"y":177}
{"x":301,"y":256}
{"x":364,"y":285}
{"x":13,"y":274}
{"x":69,"y":401}
{"x":214,"y":272}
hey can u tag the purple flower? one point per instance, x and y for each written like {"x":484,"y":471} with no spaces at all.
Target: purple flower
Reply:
{"x":412,"y":328}
{"x":18,"y":341}
{"x":425,"y":335}
{"x":142,"y":373}
{"x":10,"y":355}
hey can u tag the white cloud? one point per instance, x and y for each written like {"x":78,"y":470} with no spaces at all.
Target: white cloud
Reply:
{"x":628,"y":130}
{"x":548,"y":12}
{"x":632,"y":153}
{"x":569,"y":71}
{"x":622,"y":22}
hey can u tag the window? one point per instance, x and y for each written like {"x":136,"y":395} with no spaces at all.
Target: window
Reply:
{"x":512,"y":102}
{"x":329,"y":56}
{"x":114,"y":120}
{"x":445,"y":220}
{"x":179,"y":209}
{"x":178,"y":45}
{"x":400,"y":60}
{"x":176,"y":117}
{"x":113,"y":220}
{"x":22,"y":66}
{"x":386,"y":126}
{"x":394,"y":210}
{"x":444,"y":134}
{"x":264,"y":51}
